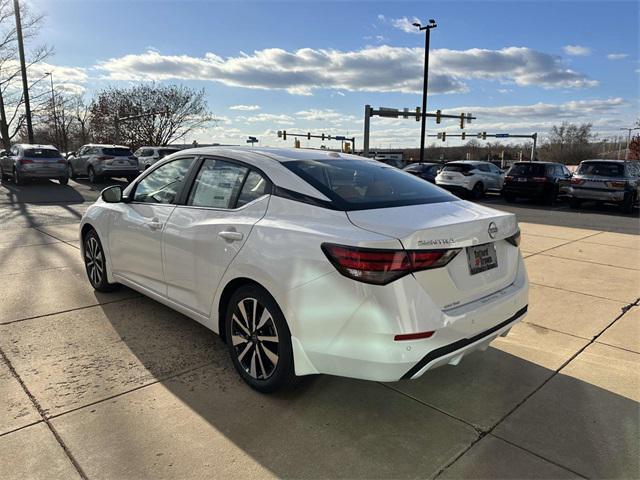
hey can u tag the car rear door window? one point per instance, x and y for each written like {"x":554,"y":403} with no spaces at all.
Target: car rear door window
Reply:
{"x":483,"y":167}
{"x":254,"y":187}
{"x":117,"y":152}
{"x":163,"y":184}
{"x":217,"y":184}
{"x":458,"y":167}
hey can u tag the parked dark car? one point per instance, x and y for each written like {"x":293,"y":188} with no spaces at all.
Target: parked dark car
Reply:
{"x":537,"y":180}
{"x":606,"y":181}
{"x":426,"y":171}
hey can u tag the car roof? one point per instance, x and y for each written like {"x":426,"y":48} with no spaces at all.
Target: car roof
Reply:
{"x":469,"y":162}
{"x":536,"y":163}
{"x":603,"y":160}
{"x":105,"y":145}
{"x":36,"y":145}
{"x":160,"y":146}
{"x":278,"y":154}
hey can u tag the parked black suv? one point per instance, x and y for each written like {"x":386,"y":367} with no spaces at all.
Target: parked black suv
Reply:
{"x":426,"y":170}
{"x":538,"y":180}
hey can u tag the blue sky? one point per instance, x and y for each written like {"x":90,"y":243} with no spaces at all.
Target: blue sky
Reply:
{"x":519,"y":66}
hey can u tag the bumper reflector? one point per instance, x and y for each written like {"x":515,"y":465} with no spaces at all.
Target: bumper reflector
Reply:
{"x":413,"y":336}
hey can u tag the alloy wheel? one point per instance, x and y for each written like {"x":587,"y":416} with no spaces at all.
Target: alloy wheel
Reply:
{"x":94,"y":260}
{"x":255,"y":338}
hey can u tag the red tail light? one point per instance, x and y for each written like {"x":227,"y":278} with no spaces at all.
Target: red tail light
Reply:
{"x":577,"y":181}
{"x":413,"y":336}
{"x":617,"y":184}
{"x":380,"y":267}
{"x":61,"y":160}
{"x":508,"y":177}
{"x":24,"y":161}
{"x":539,"y":179}
{"x":105,"y":157}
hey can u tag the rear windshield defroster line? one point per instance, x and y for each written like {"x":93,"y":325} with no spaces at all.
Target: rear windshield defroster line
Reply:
{"x":364,"y":185}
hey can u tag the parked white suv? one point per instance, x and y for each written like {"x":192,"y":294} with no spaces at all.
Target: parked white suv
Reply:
{"x":307,"y":261}
{"x":468,"y":177}
{"x":147,"y":156}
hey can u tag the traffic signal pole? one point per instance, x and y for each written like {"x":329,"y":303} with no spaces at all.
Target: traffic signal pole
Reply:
{"x":23,"y":69}
{"x":425,"y":81}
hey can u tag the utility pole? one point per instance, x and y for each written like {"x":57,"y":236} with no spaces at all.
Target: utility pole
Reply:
{"x":427,"y":30}
{"x":629,"y":130}
{"x":55,"y":115}
{"x":23,"y":68}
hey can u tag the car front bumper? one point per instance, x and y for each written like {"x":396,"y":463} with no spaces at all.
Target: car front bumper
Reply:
{"x":364,"y":346}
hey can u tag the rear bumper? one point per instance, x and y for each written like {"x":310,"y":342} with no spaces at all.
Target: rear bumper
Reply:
{"x":600,"y":195}
{"x":117,"y":171}
{"x":524,"y":190}
{"x":457,"y":188}
{"x":58,"y":171}
{"x":361,"y":343}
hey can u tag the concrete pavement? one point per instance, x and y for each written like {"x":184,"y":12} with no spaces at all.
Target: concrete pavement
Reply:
{"x":119,"y":386}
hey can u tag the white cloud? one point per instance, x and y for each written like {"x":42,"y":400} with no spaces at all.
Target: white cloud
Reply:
{"x":245,"y":108}
{"x":381,"y":17}
{"x":280,"y":119}
{"x":576,"y":50}
{"x":406,"y":25}
{"x":617,"y":56}
{"x":373,"y":69}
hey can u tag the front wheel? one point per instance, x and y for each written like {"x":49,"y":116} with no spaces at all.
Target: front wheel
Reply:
{"x":93,"y":178}
{"x":95,"y":263}
{"x":3,"y":176}
{"x":17,"y":177}
{"x":575,"y":203}
{"x":259,"y":340}
{"x":63,"y":180}
{"x":70,"y":172}
{"x":627,"y":204}
{"x":478,"y":191}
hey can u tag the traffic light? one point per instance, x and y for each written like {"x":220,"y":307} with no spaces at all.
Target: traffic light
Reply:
{"x":296,"y":143}
{"x":308,"y":135}
{"x":444,"y":136}
{"x":438,"y":113}
{"x":464,"y":135}
{"x":439,"y":135}
{"x":418,"y":114}
{"x":323,"y":137}
{"x":462,"y":120}
{"x":284,"y":134}
{"x":484,"y":135}
{"x":279,"y":133}
{"x":347,"y":148}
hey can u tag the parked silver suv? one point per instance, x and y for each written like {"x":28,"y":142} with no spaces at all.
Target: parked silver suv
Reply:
{"x":96,"y":161}
{"x":25,"y":161}
{"x":470,"y":177}
{"x":605,"y":181}
{"x":147,"y":156}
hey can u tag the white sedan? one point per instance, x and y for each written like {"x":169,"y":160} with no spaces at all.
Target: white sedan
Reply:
{"x":307,"y":261}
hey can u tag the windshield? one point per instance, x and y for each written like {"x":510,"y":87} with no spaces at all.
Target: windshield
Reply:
{"x":117,"y":152}
{"x":362,"y":184}
{"x":458,"y":167}
{"x":41,"y":153}
{"x":526,"y":169}
{"x":603,"y":169}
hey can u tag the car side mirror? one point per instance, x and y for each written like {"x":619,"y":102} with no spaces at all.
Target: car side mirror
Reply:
{"x":112,"y":194}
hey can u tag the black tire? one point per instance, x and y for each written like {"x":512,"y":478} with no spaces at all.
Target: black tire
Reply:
{"x":17,"y":178}
{"x":478,"y":191}
{"x":63,"y":180}
{"x":95,"y":263}
{"x":3,"y":176}
{"x":551,"y":197}
{"x":93,"y":178}
{"x":265,"y":364}
{"x":627,"y":204}
{"x":509,"y":197}
{"x":71,"y":172}
{"x":575,"y":203}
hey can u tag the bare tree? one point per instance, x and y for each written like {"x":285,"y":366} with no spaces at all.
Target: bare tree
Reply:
{"x":167,"y":113}
{"x":11,"y":95}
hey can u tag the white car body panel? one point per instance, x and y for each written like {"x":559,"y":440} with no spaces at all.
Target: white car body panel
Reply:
{"x":338,"y":325}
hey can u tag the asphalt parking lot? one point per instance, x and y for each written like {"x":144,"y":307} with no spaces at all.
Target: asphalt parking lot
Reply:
{"x":118,"y":386}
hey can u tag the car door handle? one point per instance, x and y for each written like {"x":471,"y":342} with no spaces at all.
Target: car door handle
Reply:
{"x":231,"y":236}
{"x":154,"y":225}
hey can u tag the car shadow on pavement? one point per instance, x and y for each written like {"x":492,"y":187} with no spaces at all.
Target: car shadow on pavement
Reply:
{"x":39,"y":191}
{"x":199,"y":420}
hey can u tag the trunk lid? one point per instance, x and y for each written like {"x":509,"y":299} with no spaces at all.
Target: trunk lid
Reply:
{"x":457,"y":224}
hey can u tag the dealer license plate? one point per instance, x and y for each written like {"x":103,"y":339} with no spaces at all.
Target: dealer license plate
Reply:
{"x":482,"y":258}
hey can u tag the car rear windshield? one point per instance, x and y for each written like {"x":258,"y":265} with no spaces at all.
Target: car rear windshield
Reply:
{"x":41,"y":153}
{"x":117,"y":152}
{"x":604,"y":169}
{"x":458,"y":167}
{"x":527,"y":169}
{"x":362,"y":185}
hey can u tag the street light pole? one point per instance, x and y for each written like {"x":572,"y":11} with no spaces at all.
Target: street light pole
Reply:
{"x":55,"y":115}
{"x":23,"y":68}
{"x":425,"y":84}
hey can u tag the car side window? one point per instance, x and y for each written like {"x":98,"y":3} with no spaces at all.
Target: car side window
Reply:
{"x":163,"y":184}
{"x":217,"y":184}
{"x":483,"y":168}
{"x":494,"y":169}
{"x":254,"y":187}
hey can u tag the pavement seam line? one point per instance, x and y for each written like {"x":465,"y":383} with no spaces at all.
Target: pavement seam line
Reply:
{"x":21,"y":428}
{"x":40,"y":410}
{"x":568,"y":242}
{"x":545,"y":254}
{"x":139,"y":387}
{"x":623,"y":302}
{"x":554,"y":373}
{"x":37,"y":228}
{"x":10,"y":322}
